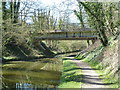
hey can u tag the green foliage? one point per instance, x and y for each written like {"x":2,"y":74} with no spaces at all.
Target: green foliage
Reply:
{"x":73,"y":45}
{"x":65,"y":45}
{"x":17,"y":41}
{"x":102,"y":17}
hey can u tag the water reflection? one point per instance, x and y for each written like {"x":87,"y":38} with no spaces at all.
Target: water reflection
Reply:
{"x":43,"y":73}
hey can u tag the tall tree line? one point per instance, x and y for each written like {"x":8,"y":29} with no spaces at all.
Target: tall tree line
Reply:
{"x":100,"y":18}
{"x":11,"y":10}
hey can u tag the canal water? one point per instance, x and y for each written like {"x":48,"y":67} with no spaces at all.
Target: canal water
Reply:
{"x":43,"y":73}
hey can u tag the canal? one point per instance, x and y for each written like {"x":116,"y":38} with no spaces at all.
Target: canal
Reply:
{"x":41,"y":73}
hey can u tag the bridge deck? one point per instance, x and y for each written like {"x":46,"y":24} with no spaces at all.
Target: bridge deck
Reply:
{"x":68,"y":35}
{"x":74,"y":38}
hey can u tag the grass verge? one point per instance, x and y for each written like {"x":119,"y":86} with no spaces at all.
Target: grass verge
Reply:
{"x":71,"y":76}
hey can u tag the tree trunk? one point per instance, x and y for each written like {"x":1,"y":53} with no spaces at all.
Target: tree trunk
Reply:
{"x":93,"y":41}
{"x":4,"y":11}
{"x":16,"y":10}
{"x":88,"y":43}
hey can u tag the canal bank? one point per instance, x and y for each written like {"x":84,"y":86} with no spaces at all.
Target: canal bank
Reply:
{"x":72,"y":74}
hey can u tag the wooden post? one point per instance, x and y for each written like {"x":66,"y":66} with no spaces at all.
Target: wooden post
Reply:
{"x":73,"y":34}
{"x":66,"y":34}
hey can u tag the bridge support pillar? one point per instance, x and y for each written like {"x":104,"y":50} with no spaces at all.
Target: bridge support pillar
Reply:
{"x":43,"y":48}
{"x":88,"y":43}
{"x":93,"y":41}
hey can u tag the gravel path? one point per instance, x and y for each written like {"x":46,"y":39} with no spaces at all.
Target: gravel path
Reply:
{"x":91,"y":78}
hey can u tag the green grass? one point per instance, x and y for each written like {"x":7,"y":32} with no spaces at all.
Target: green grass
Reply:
{"x":71,"y":76}
{"x":101,"y":69}
{"x":10,"y":57}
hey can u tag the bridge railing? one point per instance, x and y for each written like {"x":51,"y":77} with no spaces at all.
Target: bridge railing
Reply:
{"x":68,"y":34}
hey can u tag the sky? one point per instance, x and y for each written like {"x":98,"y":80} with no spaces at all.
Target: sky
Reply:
{"x":50,"y":2}
{"x":60,"y":5}
{"x":72,"y":17}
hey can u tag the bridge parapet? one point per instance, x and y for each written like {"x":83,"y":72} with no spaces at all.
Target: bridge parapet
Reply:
{"x":68,"y":35}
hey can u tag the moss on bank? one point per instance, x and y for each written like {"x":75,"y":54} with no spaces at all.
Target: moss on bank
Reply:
{"x":71,"y":76}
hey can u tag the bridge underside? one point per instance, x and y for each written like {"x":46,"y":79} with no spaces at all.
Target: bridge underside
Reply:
{"x":70,"y":38}
{"x":68,"y":35}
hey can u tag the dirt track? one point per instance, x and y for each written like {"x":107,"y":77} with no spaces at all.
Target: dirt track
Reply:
{"x":91,"y":78}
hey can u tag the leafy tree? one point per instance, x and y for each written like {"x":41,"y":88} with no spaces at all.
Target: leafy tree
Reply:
{"x":101,"y":18}
{"x":96,"y":14}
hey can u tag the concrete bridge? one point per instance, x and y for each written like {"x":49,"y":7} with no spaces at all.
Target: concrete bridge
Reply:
{"x":81,"y":34}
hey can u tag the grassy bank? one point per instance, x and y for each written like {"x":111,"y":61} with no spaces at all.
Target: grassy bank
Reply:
{"x":104,"y":61}
{"x":25,"y":52}
{"x":71,"y":76}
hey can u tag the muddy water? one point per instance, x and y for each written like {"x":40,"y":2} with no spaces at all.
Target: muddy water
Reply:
{"x":43,"y":73}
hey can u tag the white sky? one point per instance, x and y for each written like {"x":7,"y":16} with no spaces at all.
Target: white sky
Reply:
{"x":56,"y":3}
{"x":50,"y":2}
{"x":60,"y":7}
